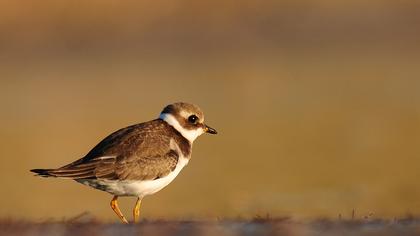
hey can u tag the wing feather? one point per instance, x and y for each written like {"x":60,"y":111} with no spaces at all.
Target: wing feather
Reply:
{"x":140,"y":152}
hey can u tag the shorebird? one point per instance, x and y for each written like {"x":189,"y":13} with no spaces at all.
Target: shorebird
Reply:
{"x":141,"y":159}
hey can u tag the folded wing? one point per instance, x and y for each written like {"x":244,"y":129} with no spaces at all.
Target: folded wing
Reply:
{"x":139,"y":152}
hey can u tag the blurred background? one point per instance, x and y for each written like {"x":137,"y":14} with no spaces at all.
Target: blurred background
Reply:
{"x":317,"y":103}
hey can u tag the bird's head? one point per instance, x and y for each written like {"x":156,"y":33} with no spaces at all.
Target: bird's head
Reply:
{"x":187,"y":119}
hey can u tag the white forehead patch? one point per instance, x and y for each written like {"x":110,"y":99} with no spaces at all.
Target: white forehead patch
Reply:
{"x":191,"y":135}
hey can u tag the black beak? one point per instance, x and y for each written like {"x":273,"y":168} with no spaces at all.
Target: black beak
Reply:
{"x":209,"y":129}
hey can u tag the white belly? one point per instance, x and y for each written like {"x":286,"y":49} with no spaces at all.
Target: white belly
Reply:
{"x":135,"y":188}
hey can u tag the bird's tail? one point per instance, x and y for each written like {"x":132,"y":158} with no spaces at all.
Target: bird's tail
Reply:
{"x":43,"y":172}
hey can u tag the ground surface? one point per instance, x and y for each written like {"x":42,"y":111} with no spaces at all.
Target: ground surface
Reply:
{"x":218,"y":228}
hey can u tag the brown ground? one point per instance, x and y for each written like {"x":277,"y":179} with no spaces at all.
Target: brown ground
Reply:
{"x":258,"y":226}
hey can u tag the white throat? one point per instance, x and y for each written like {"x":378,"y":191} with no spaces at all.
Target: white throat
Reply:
{"x":191,"y":135}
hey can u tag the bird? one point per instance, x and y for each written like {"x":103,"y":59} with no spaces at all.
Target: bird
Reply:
{"x":141,"y":159}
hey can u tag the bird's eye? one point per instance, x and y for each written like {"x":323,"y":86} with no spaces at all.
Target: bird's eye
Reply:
{"x":193,"y":119}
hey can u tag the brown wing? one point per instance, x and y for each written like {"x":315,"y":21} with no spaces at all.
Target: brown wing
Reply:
{"x":139,"y":152}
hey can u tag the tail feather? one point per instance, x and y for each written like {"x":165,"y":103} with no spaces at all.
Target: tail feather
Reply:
{"x":43,"y":172}
{"x":65,"y":173}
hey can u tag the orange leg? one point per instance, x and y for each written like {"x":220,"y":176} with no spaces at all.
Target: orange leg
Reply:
{"x":136,"y":210}
{"x":114,"y":206}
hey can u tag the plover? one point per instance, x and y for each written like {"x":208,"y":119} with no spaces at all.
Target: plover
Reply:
{"x":141,"y":159}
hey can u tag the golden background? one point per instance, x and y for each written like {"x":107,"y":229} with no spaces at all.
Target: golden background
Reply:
{"x":317,"y":103}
